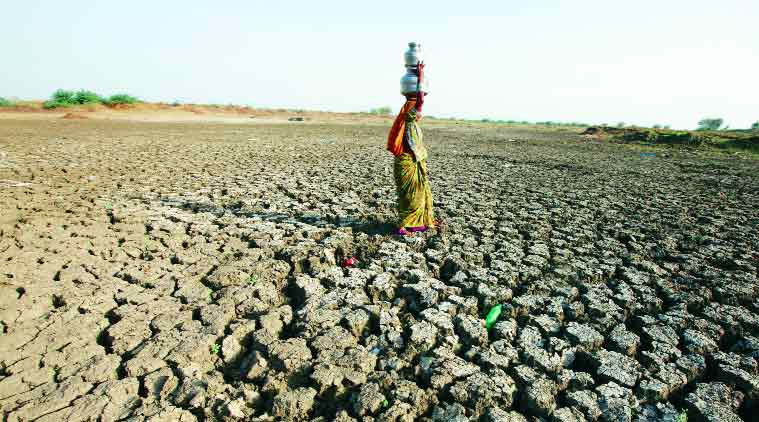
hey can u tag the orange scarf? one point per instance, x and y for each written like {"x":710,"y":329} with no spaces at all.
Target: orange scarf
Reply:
{"x":395,"y":137}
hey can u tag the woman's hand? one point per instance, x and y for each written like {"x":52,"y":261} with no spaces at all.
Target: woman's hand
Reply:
{"x":420,"y":71}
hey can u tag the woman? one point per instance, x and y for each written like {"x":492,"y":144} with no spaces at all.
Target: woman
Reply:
{"x":406,"y":143}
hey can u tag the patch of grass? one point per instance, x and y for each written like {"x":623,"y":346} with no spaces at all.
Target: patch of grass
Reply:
{"x":381,"y":110}
{"x":253,"y":279}
{"x":121,"y":99}
{"x":682,"y":417}
{"x":5,"y":103}
{"x":726,"y":141}
{"x":51,"y":104}
{"x":656,"y":136}
{"x":215,"y":349}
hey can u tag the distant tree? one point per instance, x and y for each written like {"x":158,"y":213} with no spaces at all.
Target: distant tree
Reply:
{"x":657,"y":126}
{"x":621,"y":124}
{"x":755,"y":126}
{"x":710,"y":124}
{"x":665,"y":127}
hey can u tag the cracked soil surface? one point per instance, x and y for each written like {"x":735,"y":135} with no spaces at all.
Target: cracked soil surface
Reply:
{"x":191,"y":272}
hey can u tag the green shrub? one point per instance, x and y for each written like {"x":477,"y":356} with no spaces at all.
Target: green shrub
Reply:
{"x":121,"y":99}
{"x":621,"y":124}
{"x":86,"y":97}
{"x":62,"y":96}
{"x":710,"y":123}
{"x":381,"y":110}
{"x":5,"y":103}
{"x":755,"y":126}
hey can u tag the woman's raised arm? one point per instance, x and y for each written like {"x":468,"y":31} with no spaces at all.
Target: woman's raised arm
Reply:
{"x":419,"y":93}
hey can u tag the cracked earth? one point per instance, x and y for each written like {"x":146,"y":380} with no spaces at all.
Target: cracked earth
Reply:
{"x":191,"y":272}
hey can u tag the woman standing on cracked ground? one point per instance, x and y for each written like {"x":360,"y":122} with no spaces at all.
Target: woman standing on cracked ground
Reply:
{"x":406,"y":143}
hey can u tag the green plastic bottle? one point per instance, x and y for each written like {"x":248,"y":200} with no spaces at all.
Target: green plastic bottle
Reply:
{"x":492,"y":317}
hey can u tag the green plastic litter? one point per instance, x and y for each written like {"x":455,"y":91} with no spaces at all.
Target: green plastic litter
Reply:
{"x":492,"y":317}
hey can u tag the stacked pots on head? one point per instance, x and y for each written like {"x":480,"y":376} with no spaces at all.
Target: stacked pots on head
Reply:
{"x":409,"y":81}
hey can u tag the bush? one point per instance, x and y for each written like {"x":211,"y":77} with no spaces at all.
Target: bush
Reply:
{"x":710,"y":124}
{"x":50,"y":104}
{"x":621,"y":124}
{"x":62,"y":96}
{"x":381,"y":110}
{"x":755,"y":126}
{"x":5,"y":103}
{"x":121,"y":99}
{"x":86,"y":97}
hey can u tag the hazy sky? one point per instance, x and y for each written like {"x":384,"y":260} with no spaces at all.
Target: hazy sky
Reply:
{"x":644,"y":62}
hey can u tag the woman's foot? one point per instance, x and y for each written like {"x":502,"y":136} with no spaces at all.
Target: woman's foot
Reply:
{"x":402,"y":232}
{"x":418,"y":229}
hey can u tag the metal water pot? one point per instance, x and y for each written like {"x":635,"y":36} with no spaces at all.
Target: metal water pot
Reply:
{"x":413,"y":54}
{"x":409,"y":81}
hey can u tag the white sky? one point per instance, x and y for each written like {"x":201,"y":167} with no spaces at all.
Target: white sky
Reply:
{"x":643,"y":62}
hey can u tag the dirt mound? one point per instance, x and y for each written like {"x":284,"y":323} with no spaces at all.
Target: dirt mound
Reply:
{"x":74,"y":116}
{"x":194,"y":109}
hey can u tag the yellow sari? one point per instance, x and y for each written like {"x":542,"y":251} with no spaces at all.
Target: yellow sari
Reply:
{"x":410,"y":171}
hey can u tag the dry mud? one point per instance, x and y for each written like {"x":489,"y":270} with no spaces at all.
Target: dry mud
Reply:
{"x":191,"y":272}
